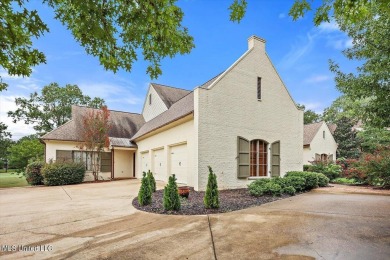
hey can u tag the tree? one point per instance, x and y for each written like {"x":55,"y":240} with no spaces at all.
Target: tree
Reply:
{"x":345,"y":136}
{"x":52,"y":108}
{"x":96,"y":126}
{"x":171,"y":199}
{"x":26,"y":148}
{"x":211,"y":197}
{"x":309,"y":116}
{"x":152,"y":181}
{"x":145,"y":191}
{"x":112,"y":30}
{"x":371,"y":44}
{"x":3,"y":131}
{"x":373,"y":138}
{"x":344,"y":106}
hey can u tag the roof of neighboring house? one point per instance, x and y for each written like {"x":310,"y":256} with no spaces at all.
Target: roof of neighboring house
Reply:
{"x":332,"y":128}
{"x":309,"y":131}
{"x":123,"y":125}
{"x":210,"y":81}
{"x":180,"y":109}
{"x":122,"y":142}
{"x":168,"y":94}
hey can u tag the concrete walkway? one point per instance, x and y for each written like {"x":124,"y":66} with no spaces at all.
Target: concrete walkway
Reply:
{"x":97,"y":221}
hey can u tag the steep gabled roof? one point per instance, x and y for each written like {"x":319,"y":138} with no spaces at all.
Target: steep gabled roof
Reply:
{"x":332,"y":128}
{"x":169,"y":95}
{"x":210,"y":81}
{"x":180,"y":109}
{"x":123,"y":125}
{"x":309,"y":131}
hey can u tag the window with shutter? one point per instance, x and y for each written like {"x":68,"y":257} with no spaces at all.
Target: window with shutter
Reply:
{"x":275,"y":159}
{"x":106,"y":162}
{"x":63,"y":156}
{"x":242,"y":158}
{"x":258,"y":158}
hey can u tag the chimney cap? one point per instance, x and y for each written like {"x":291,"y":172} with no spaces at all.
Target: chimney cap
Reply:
{"x":254,"y":37}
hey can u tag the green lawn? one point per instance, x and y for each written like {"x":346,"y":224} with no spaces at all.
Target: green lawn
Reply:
{"x":12,"y":179}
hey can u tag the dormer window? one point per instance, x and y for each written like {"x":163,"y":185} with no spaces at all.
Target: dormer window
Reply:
{"x":150,"y":99}
{"x":258,"y":88}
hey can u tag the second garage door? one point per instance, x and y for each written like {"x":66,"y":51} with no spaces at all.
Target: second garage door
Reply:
{"x":158,"y":165}
{"x":178,"y":162}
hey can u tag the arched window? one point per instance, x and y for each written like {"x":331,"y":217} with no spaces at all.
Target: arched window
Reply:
{"x":324,"y":157}
{"x":258,"y":158}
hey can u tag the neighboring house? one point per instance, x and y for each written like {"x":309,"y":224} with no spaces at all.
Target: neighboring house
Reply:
{"x":318,"y":142}
{"x":243,"y":123}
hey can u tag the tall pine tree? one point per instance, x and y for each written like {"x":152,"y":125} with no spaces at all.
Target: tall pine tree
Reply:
{"x":211,"y":197}
{"x":346,"y":138}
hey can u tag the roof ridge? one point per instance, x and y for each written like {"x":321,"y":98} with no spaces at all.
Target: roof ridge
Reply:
{"x":316,"y":123}
{"x":109,"y":110}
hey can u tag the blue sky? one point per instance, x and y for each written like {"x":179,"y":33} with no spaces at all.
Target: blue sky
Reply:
{"x":299,"y":50}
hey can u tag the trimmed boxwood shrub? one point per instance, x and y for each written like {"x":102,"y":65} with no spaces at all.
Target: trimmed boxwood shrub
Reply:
{"x":290,"y":190}
{"x":262,"y":187}
{"x":323,"y":181}
{"x":33,"y":173}
{"x":63,"y":173}
{"x":311,"y":178}
{"x":297,"y":182}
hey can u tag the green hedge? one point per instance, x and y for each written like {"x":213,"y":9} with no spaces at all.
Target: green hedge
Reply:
{"x":61,"y":173}
{"x":274,"y":186}
{"x":33,"y":173}
{"x":311,"y":178}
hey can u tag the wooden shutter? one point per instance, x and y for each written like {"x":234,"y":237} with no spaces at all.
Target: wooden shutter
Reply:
{"x":106,"y":162}
{"x":330,"y":158}
{"x":242,"y":158}
{"x":64,"y":156}
{"x":275,"y":159}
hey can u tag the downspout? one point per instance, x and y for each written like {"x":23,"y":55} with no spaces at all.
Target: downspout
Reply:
{"x":43,"y":142}
{"x":134,"y":164}
{"x":112,"y":163}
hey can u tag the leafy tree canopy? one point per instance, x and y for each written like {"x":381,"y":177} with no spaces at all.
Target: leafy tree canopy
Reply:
{"x":112,"y":30}
{"x":344,"y":106}
{"x":52,"y":107}
{"x":3,"y":131}
{"x":309,"y":116}
{"x":27,"y":148}
{"x":372,"y":137}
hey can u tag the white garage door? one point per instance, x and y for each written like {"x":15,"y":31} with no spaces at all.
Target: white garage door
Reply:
{"x":178,"y":162}
{"x":158,"y":165}
{"x":145,"y":164}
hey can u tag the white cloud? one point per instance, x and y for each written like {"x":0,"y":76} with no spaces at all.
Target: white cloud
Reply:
{"x":317,"y":79}
{"x":317,"y":107}
{"x":329,"y":27}
{"x":18,"y":129}
{"x":298,"y":51}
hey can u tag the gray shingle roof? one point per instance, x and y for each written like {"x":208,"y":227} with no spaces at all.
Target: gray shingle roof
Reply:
{"x":168,"y":94}
{"x":332,"y":128}
{"x":123,"y":125}
{"x":180,"y":109}
{"x":309,"y":131}
{"x":210,"y":81}
{"x":122,"y":142}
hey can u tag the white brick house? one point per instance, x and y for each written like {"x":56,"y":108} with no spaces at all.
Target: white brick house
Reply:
{"x":243,"y":123}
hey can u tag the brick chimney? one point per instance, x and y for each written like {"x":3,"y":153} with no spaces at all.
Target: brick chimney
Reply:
{"x":256,"y":42}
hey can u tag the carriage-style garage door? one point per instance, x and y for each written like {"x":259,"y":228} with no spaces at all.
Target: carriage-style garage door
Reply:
{"x":158,"y":165}
{"x":145,"y":164}
{"x":178,"y":162}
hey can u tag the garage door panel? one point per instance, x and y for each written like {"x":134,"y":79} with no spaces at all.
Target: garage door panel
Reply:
{"x":178,"y":162}
{"x":145,"y":164}
{"x":159,"y":164}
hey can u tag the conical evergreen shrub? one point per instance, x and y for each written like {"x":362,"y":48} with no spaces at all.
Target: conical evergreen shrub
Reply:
{"x":171,"y":195}
{"x":211,"y":197}
{"x":145,"y":192}
{"x":152,"y":181}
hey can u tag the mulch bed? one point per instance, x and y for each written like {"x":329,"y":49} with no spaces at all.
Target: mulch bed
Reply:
{"x":229,"y":200}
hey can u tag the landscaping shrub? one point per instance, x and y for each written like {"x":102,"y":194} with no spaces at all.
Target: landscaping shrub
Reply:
{"x":377,"y":167}
{"x":262,"y":187}
{"x":171,"y":195}
{"x":311,"y":178}
{"x":145,"y":191}
{"x":152,"y":181}
{"x":211,"y":197}
{"x":63,"y":173}
{"x":345,"y":181}
{"x":272,"y":188}
{"x":329,"y":169}
{"x":290,"y":190}
{"x":297,"y":182}
{"x":33,"y":173}
{"x":306,"y":167}
{"x":323,"y":181}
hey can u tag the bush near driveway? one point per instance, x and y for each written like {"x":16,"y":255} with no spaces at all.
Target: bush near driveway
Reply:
{"x":329,"y":169}
{"x":311,"y":178}
{"x":274,"y":186}
{"x":145,"y":191}
{"x":63,"y":173}
{"x":171,"y":199}
{"x":33,"y":173}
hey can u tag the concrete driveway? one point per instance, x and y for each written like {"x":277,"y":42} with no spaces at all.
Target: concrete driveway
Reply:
{"x":97,"y":221}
